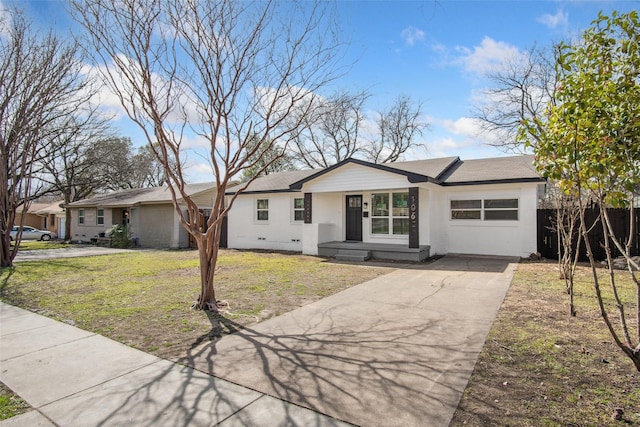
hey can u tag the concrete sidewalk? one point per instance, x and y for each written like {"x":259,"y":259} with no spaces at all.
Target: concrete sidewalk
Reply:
{"x":396,"y":350}
{"x":76,"y":378}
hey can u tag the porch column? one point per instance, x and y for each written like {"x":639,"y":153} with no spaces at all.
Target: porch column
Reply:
{"x":307,"y":208}
{"x":414,"y":237}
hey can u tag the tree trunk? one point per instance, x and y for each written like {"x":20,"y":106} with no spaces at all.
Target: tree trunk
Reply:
{"x":6,"y":259}
{"x":208,"y":260}
{"x":7,"y":222}
{"x":208,"y":248}
{"x":67,"y":224}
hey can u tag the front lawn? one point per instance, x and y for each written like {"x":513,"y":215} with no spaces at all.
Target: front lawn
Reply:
{"x":542,"y":367}
{"x":539,"y":366}
{"x":143,"y":298}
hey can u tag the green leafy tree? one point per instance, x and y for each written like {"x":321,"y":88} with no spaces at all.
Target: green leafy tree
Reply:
{"x":267,"y":159}
{"x":590,"y":145}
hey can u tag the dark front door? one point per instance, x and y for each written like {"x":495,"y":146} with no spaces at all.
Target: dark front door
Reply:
{"x":354,"y":218}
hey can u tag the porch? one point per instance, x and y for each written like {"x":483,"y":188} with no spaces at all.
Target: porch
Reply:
{"x":361,"y":251}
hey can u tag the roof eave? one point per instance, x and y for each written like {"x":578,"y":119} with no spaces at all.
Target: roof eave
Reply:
{"x":494,"y":181}
{"x":280,"y":190}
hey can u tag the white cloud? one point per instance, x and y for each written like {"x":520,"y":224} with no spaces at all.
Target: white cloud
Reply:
{"x":200,"y":172}
{"x":488,"y":56}
{"x":463,"y":137}
{"x":196,"y":141}
{"x":5,"y":20}
{"x":411,"y":35}
{"x":466,"y":126}
{"x":560,"y":19}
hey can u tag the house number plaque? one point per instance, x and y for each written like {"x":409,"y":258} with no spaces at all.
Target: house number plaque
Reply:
{"x":307,"y":208}
{"x":414,"y":237}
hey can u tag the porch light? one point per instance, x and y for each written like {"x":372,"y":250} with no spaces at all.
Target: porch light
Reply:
{"x":366,"y":205}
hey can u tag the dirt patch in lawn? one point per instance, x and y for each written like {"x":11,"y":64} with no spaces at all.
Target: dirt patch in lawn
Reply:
{"x":540,"y":366}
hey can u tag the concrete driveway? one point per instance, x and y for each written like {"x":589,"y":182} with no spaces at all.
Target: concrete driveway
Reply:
{"x":397,"y":350}
{"x":68,"y":252}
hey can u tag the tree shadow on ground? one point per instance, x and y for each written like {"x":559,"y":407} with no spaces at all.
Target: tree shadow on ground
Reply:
{"x":379,"y":375}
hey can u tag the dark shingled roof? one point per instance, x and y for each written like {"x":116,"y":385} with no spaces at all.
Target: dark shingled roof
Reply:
{"x":431,"y":167}
{"x":445,"y":171}
{"x":139,"y":196}
{"x":274,"y":182}
{"x":503,"y":169}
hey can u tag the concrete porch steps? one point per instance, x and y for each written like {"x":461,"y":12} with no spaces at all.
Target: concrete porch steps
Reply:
{"x":398,"y":252}
{"x":353,"y":255}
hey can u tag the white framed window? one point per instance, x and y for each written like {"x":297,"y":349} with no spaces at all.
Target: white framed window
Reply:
{"x":390,"y":213}
{"x":80,"y":216}
{"x":466,"y":209}
{"x":485,"y":209}
{"x":380,"y":213}
{"x":262,"y":209}
{"x":400,"y":213}
{"x":100,"y":217}
{"x":298,"y":209}
{"x":501,"y":209}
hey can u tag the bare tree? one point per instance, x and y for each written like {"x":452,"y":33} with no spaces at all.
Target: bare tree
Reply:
{"x":67,"y":170}
{"x":566,"y":226}
{"x":521,"y":89}
{"x":40,"y":84}
{"x":397,"y":130}
{"x":223,"y":71}
{"x":332,"y":132}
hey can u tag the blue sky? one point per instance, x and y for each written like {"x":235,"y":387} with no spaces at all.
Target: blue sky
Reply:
{"x":437,"y":52}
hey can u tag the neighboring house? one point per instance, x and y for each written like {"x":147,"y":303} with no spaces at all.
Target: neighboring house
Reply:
{"x":403,"y":210}
{"x":148,"y":212}
{"x":44,"y":216}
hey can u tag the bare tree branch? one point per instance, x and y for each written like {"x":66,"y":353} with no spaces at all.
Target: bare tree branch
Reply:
{"x":241,"y":75}
{"x":397,"y":129}
{"x":41,"y":84}
{"x":521,"y":90}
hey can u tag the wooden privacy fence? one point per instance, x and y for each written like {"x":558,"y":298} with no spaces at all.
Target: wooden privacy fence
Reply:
{"x":548,"y":237}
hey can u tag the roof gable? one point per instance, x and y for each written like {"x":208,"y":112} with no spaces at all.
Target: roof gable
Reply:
{"x":415,"y":171}
{"x":445,"y":171}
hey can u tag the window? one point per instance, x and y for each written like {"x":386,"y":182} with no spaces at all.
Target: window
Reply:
{"x":80,"y":216}
{"x":390,"y":221}
{"x":380,"y":213}
{"x":100,"y":217}
{"x":501,"y":209}
{"x":400,"y":213}
{"x":262,"y":209}
{"x":487,"y":209}
{"x":466,"y":209}
{"x":298,"y":209}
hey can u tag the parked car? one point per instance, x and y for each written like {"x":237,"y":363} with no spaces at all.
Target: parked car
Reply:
{"x":30,"y":233}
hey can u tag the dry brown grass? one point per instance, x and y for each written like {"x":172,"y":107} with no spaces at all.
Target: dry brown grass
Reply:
{"x":542,"y":367}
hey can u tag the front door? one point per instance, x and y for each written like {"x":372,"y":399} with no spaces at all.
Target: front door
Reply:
{"x":354,"y":218}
